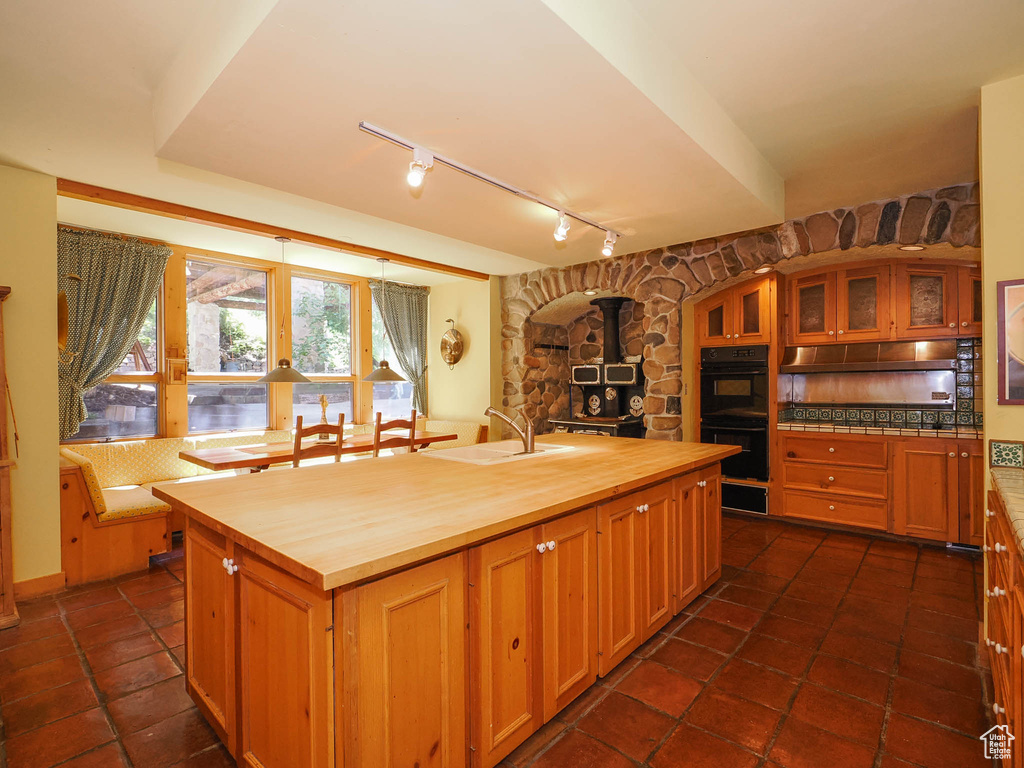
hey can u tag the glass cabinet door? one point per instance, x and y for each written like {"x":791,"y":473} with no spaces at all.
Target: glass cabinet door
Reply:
{"x":812,"y":309}
{"x":715,"y":317}
{"x":863,"y":304}
{"x":969,"y":299}
{"x":753,"y":312}
{"x":926,"y":305}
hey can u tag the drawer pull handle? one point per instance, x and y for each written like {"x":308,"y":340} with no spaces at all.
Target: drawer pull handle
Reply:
{"x":229,"y":566}
{"x":964,"y":455}
{"x":952,"y":325}
{"x":989,"y":513}
{"x":832,"y":507}
{"x":988,"y":642}
{"x":831,"y":479}
{"x":998,"y":710}
{"x":551,"y":545}
{"x":952,"y":454}
{"x":1000,"y":548}
{"x":831,"y":333}
{"x":986,"y":548}
{"x":840,"y":333}
{"x":995,"y":592}
{"x":541,"y":547}
{"x":1001,"y":648}
{"x":831,"y":450}
{"x":964,"y":323}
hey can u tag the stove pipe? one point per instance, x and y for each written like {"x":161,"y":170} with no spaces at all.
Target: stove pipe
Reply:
{"x":610,"y":306}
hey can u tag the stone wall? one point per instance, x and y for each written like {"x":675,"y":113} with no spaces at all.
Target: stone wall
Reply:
{"x":659,"y":280}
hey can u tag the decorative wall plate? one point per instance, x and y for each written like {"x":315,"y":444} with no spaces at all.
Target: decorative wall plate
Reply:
{"x":610,"y":393}
{"x":594,"y":405}
{"x":451,"y":345}
{"x":636,"y":405}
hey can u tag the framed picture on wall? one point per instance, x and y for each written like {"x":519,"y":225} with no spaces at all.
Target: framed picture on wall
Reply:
{"x":1010,"y":299}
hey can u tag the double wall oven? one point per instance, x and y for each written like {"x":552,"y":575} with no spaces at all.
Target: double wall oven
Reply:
{"x":734,"y":411}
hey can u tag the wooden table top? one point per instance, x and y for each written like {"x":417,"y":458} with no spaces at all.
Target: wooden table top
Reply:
{"x":254,"y":456}
{"x":341,"y":523}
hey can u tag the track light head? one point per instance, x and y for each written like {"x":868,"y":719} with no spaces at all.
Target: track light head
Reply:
{"x":609,"y":243}
{"x":562,"y":230}
{"x":422,"y":161}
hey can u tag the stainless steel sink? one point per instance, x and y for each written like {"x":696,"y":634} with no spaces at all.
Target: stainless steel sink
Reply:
{"x":494,"y":453}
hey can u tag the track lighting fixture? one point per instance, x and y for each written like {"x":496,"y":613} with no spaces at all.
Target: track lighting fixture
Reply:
{"x":422,"y":161}
{"x":609,"y":243}
{"x":562,"y":230}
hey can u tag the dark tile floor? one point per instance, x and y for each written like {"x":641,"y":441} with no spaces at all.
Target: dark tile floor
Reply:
{"x":813,"y":650}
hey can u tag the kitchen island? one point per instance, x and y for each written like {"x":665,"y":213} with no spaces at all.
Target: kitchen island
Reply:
{"x":415,"y":611}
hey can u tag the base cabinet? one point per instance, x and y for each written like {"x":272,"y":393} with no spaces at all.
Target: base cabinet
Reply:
{"x":710,"y":514}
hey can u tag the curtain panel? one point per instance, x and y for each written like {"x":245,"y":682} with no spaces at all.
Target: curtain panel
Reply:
{"x":403,"y":308}
{"x":118,"y":280}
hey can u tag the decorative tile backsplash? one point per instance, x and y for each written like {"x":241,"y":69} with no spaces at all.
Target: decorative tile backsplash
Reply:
{"x":967,"y":413}
{"x":1006,"y":453}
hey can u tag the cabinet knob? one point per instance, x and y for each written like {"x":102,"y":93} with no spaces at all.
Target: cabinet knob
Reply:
{"x":831,"y":333}
{"x":988,"y":642}
{"x":1000,"y":548}
{"x":229,"y":566}
{"x":831,"y":479}
{"x":1001,"y":649}
{"x":952,"y":454}
{"x":989,"y":513}
{"x":831,"y":450}
{"x":551,"y":545}
{"x":998,"y":710}
{"x":541,"y":547}
{"x":952,"y":325}
{"x":840,"y":333}
{"x":728,"y":335}
{"x":832,"y":507}
{"x":986,"y":548}
{"x":964,"y":323}
{"x":647,"y":507}
{"x":964,"y":455}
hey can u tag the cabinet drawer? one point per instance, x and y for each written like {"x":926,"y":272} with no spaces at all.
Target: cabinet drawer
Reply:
{"x":832,"y":449}
{"x":836,"y":509}
{"x":836,"y":480}
{"x":1000,"y":651}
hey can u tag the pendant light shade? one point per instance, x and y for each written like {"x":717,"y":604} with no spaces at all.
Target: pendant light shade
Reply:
{"x":384,"y":373}
{"x":284,"y":373}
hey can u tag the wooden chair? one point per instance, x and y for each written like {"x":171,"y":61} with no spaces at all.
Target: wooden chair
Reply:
{"x":298,"y":453}
{"x":397,"y":441}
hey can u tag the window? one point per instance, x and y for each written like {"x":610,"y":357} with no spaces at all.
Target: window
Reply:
{"x":394,"y":400}
{"x":322,"y":348}
{"x":226,"y":326}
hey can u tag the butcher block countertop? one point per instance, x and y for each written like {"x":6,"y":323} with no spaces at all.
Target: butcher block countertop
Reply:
{"x":337,"y":524}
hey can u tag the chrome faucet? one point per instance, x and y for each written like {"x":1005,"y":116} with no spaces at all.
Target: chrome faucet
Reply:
{"x":525,"y":435}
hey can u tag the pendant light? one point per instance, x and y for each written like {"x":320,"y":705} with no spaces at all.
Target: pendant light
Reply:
{"x":284,"y":373}
{"x":384,"y":372}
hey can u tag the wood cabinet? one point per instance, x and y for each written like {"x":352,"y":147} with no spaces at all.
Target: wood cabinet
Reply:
{"x":812,"y":308}
{"x":971,"y":491}
{"x":925,"y":489}
{"x":710,"y":489}
{"x":1004,"y":625}
{"x":404,"y":674}
{"x":926,"y":301}
{"x":969,"y":300}
{"x":688,"y":544}
{"x":862,"y":304}
{"x":738,"y":315}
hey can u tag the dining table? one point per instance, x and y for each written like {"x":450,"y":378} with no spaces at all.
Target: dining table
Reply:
{"x":258,"y":457}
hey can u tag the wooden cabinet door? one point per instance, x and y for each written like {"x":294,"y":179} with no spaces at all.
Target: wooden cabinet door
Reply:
{"x":925,"y":489}
{"x":926,"y":301}
{"x":969,"y":293}
{"x":971,"y":488}
{"x":812,"y":308}
{"x":210,"y":623}
{"x":715,"y":317}
{"x":404,"y":671}
{"x":752,"y":301}
{"x":688,"y":546}
{"x":711,"y":526}
{"x":618,"y":581}
{"x":286,"y":668}
{"x":655,"y":558}
{"x":862,"y":301}
{"x":503,"y":644}
{"x":569,"y":587}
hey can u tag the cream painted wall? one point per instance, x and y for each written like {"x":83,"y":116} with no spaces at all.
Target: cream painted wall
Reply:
{"x":1002,"y":198}
{"x":28,"y":264}
{"x":463,"y":393}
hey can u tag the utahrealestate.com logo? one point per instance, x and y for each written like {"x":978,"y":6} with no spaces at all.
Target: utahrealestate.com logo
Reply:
{"x":997,"y":742}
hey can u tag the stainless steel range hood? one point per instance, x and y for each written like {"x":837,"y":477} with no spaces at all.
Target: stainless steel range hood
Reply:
{"x":872,"y":356}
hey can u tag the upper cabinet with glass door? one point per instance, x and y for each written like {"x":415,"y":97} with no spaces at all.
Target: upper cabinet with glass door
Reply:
{"x":926,"y":301}
{"x":738,"y":315}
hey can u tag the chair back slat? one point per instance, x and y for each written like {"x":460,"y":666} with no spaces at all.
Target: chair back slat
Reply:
{"x":396,"y":441}
{"x":299,"y":453}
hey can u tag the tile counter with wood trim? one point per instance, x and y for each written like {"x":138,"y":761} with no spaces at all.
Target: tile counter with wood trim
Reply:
{"x":411,"y":610}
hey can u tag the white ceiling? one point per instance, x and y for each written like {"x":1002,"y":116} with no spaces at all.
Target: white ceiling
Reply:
{"x":668,"y":121}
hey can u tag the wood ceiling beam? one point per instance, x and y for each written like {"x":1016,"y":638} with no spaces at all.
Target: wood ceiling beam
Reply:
{"x":92,"y":193}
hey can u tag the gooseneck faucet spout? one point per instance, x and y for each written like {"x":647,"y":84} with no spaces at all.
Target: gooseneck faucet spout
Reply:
{"x":525,"y":435}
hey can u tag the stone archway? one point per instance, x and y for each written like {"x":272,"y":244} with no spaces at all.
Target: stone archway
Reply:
{"x":661,"y":279}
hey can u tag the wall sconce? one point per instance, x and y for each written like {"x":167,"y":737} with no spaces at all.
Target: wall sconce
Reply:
{"x":452,"y":345}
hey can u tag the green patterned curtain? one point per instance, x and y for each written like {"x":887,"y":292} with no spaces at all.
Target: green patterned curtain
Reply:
{"x":106,"y":309}
{"x":403,"y":308}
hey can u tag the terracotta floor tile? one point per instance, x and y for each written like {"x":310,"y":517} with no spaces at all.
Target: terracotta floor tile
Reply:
{"x":47,"y":706}
{"x":694,"y":748}
{"x":583,"y":703}
{"x":940,"y":646}
{"x":178,"y":652}
{"x":943,"y":624}
{"x":853,"y":679}
{"x":57,"y":742}
{"x":733,"y":615}
{"x":660,"y":687}
{"x":787,"y":657}
{"x":802,"y":745}
{"x":40,"y":677}
{"x":163,"y":615}
{"x":774,"y":566}
{"x":693,"y":660}
{"x":711,"y":634}
{"x":36,"y":630}
{"x":794,"y":545}
{"x":854,"y":622}
{"x":136,"y":674}
{"x":754,"y":598}
{"x":891,"y":611}
{"x":801,"y":610}
{"x":885,"y":576}
{"x":847,"y":541}
{"x":526,"y":752}
{"x":839,"y":714}
{"x":756,"y":683}
{"x":628,"y":725}
{"x":740,"y":721}
{"x":739,"y":557}
{"x":150,"y":582}
{"x":862,"y":650}
{"x":889,"y":563}
{"x":577,"y":750}
{"x":77,"y":602}
{"x":897,"y":595}
{"x":158,"y":597}
{"x":101,"y":657}
{"x":839,"y":582}
{"x":104,"y":757}
{"x":149,"y":706}
{"x":109,"y":631}
{"x":762,"y":581}
{"x":35,"y":652}
{"x":967,"y":609}
{"x":169,"y":741}
{"x":172,"y":634}
{"x":944,"y":674}
{"x":99,"y":614}
{"x":888,"y":761}
{"x":926,"y":702}
{"x":925,"y":744}
{"x":894,"y":549}
{"x":814,"y":593}
{"x":959,"y":590}
{"x":955,"y":570}
{"x":790,"y":630}
{"x":34,"y":610}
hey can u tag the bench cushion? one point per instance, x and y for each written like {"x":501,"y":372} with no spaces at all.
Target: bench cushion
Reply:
{"x":130,"y":501}
{"x":468,"y":433}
